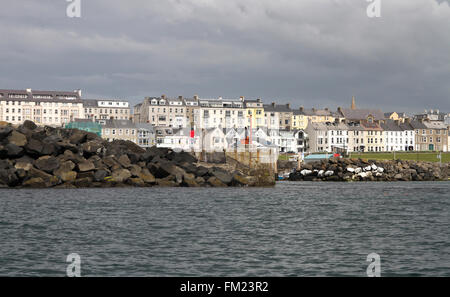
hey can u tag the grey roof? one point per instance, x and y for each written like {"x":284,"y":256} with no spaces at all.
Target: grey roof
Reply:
{"x":417,"y":125}
{"x":327,"y":126}
{"x":145,"y":126}
{"x":317,"y":112}
{"x":117,"y":124}
{"x":56,"y":96}
{"x":390,"y":125}
{"x":277,"y":108}
{"x":362,"y":114}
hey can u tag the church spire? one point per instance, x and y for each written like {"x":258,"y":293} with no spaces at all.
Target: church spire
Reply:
{"x":353,"y":103}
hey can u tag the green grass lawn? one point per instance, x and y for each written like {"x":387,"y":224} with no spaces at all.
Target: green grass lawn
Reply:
{"x":418,"y":156}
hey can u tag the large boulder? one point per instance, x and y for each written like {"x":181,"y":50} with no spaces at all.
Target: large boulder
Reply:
{"x":92,"y":147}
{"x":29,"y":125}
{"x":17,"y":138}
{"x":47,"y":163}
{"x":222,"y":175}
{"x":181,"y":157}
{"x":68,"y":176}
{"x":124,"y":161}
{"x":86,"y":166}
{"x":215,"y":182}
{"x":13,"y":151}
{"x":9,"y":177}
{"x":100,"y":175}
{"x":35,"y":182}
{"x":147,"y":177}
{"x":5,"y":131}
{"x":34,"y":147}
{"x":121,"y":175}
{"x":78,"y":136}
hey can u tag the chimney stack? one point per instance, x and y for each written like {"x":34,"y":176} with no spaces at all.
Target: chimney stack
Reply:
{"x":326,"y":109}
{"x":301,"y":108}
{"x":242,"y":98}
{"x":288,"y":105}
{"x":180,"y":97}
{"x":163,"y":96}
{"x":28,"y":90}
{"x":313,"y":109}
{"x":339,"y":109}
{"x":195,"y":97}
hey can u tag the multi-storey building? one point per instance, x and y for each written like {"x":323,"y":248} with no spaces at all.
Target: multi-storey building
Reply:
{"x":221,"y":113}
{"x":355,"y":137}
{"x":145,"y":135}
{"x":52,"y":108}
{"x":104,"y":109}
{"x":299,"y":119}
{"x":398,"y":136}
{"x":119,"y":130}
{"x":254,"y":110}
{"x":282,"y":112}
{"x":161,"y":111}
{"x":271,"y":117}
{"x":431,"y":136}
{"x":328,"y":137}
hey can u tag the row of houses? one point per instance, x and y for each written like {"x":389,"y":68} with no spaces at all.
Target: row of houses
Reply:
{"x":165,"y":121}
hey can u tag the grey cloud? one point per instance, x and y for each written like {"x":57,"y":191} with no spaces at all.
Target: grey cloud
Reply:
{"x":311,"y":53}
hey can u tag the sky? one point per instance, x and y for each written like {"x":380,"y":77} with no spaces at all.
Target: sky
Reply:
{"x":311,"y":53}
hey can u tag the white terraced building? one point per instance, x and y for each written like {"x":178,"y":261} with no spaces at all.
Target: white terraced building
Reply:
{"x":52,"y":108}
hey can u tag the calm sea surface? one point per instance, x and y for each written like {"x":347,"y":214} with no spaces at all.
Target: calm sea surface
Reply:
{"x":294,"y":229}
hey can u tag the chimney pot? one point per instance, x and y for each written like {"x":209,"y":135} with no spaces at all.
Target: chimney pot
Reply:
{"x":288,"y":105}
{"x":273,"y":104}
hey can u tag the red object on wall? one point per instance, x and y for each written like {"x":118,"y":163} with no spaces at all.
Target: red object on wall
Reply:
{"x":192,"y":133}
{"x":336,"y":155}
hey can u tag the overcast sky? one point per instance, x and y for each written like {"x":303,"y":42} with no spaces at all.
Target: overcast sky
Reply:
{"x":315,"y":53}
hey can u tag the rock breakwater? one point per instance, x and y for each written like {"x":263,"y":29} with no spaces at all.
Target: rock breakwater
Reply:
{"x":371,"y":170}
{"x":44,"y":157}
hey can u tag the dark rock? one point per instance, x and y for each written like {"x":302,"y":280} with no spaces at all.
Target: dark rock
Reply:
{"x":224,"y":176}
{"x":35,"y":182}
{"x":201,"y":171}
{"x":83,"y":182}
{"x":215,"y":182}
{"x":124,"y":161}
{"x":29,"y":125}
{"x":34,"y":147}
{"x":5,"y":131}
{"x":182,"y":157}
{"x":85,"y":166}
{"x":100,"y":175}
{"x":47,"y":164}
{"x":13,"y":151}
{"x":121,"y":175}
{"x":17,"y":138}
{"x":147,"y":177}
{"x":77,"y":136}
